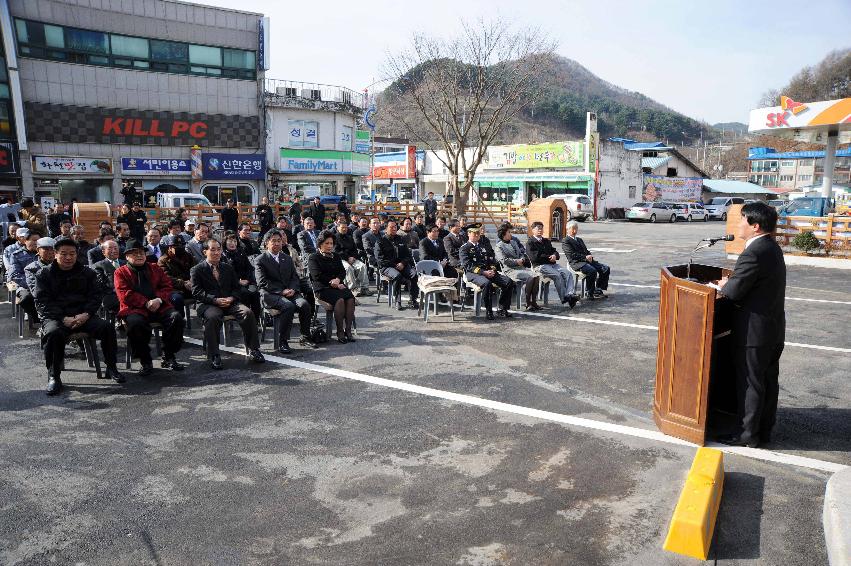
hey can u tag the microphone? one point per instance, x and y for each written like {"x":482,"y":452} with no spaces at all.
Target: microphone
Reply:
{"x":725,"y":238}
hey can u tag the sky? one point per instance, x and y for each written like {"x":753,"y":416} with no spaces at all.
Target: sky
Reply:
{"x":709,"y":60}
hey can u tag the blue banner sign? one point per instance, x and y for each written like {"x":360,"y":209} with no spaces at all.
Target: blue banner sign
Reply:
{"x":145,"y":166}
{"x":233,"y":166}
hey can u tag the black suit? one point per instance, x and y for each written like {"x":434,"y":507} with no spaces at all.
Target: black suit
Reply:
{"x":758,"y":289}
{"x":389,"y":252}
{"x":317,"y":212}
{"x":274,"y":276}
{"x":307,"y":244}
{"x":434,"y":250}
{"x":206,"y":289}
{"x":576,"y":253}
{"x":452,"y":244}
{"x":230,"y":219}
{"x":430,"y":210}
{"x":105,"y":271}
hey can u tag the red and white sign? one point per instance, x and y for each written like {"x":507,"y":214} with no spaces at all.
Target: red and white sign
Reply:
{"x":71,"y":165}
{"x":397,"y":165}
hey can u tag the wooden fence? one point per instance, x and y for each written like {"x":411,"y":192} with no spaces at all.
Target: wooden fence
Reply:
{"x":479,"y":213}
{"x":832,"y":231}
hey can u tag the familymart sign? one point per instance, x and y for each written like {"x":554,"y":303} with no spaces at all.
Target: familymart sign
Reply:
{"x":323,"y":162}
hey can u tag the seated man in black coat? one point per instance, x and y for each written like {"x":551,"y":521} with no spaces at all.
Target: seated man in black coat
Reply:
{"x":307,"y":238}
{"x":431,"y":248}
{"x":580,"y":259}
{"x":452,"y":243}
{"x":482,"y":269}
{"x":215,"y":289}
{"x":105,"y":270}
{"x":67,"y":296}
{"x":394,"y":260}
{"x":280,"y":284}
{"x":357,"y":276}
{"x":247,"y":241}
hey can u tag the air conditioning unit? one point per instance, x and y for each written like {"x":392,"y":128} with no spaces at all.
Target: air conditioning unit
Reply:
{"x":311,"y":94}
{"x":286,"y":91}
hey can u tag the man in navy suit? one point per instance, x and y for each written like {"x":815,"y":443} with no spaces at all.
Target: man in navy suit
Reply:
{"x":758,"y":289}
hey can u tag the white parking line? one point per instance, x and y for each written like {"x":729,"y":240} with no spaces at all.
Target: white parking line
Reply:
{"x":612,"y":250}
{"x":787,"y":298}
{"x":649,"y":327}
{"x":764,"y":455}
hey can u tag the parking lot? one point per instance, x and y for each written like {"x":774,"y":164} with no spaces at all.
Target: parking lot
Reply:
{"x":520,"y":441}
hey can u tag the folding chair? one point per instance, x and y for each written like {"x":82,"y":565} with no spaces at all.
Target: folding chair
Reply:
{"x":579,"y":282}
{"x":428,"y":267}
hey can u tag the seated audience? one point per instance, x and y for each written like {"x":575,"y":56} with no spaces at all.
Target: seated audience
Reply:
{"x":285,"y":226}
{"x":420,"y":225}
{"x":431,"y":248}
{"x":395,"y":262}
{"x":177,"y":264}
{"x":215,"y":289}
{"x":307,"y":238}
{"x":370,"y":241}
{"x":480,"y":268}
{"x":21,"y":235}
{"x":235,"y":256}
{"x":357,"y":276}
{"x":195,"y":246}
{"x":153,"y":246}
{"x":441,"y":226}
{"x":105,"y":270}
{"x":357,"y":234}
{"x":144,"y":291}
{"x":545,"y":261}
{"x":328,"y":276}
{"x":452,"y":243}
{"x":67,"y":297}
{"x":19,"y":261}
{"x":95,"y":254}
{"x":174,"y":230}
{"x":246,"y":240}
{"x":46,"y":255}
{"x":511,"y":255}
{"x":579,"y":258}
{"x":280,"y":288}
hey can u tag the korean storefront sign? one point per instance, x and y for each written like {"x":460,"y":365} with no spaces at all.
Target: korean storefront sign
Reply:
{"x":362,"y":141}
{"x":233,"y":166}
{"x":88,"y":124}
{"x":71,"y":165}
{"x":145,"y":166}
{"x":536,"y":156}
{"x":322,"y":162}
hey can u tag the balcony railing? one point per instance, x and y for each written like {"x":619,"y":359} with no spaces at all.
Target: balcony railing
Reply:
{"x":312,"y":94}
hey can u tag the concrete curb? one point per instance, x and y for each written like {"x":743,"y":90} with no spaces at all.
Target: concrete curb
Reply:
{"x":837,"y":518}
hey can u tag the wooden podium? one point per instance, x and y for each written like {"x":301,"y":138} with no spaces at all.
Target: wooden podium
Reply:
{"x":694,"y":368}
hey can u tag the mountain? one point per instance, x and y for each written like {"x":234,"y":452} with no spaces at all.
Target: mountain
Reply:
{"x":730,"y":127}
{"x":828,"y":80}
{"x":568,"y":92}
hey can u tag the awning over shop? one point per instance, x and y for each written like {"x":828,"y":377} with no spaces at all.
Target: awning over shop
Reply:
{"x":532,"y":177}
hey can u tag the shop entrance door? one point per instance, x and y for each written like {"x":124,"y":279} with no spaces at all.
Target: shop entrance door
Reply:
{"x":220,"y":193}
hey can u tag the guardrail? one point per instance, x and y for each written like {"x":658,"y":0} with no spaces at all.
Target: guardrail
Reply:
{"x":832,"y":231}
{"x":314,"y":92}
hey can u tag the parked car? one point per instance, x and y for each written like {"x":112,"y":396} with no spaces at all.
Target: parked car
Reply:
{"x":178,"y":200}
{"x":690,"y":211}
{"x":579,"y":207}
{"x":652,"y":211}
{"x":808,"y":206}
{"x":719,"y":206}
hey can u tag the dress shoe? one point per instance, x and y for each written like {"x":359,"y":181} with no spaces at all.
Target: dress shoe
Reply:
{"x":503,"y":313}
{"x":412,"y":304}
{"x":146,"y":369}
{"x":54,"y":385}
{"x":571,"y":301}
{"x":489,"y":315}
{"x":399,"y":307}
{"x":366,"y":292}
{"x":285,"y":348}
{"x":307,"y":342}
{"x":349,"y":337}
{"x":341,"y":338}
{"x":599,"y":294}
{"x":590,"y":297}
{"x":115,"y":375}
{"x":533,"y":307}
{"x":256,"y":356}
{"x":216,"y":362}
{"x":736,"y":440}
{"x":172,"y":364}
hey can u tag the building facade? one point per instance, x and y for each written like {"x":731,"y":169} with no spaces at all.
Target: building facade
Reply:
{"x":313,"y":145}
{"x":116,"y":94}
{"x":784,"y":172}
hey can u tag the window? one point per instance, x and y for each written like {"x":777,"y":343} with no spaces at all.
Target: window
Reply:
{"x":805,"y":163}
{"x":203,"y":55}
{"x":672,"y":172}
{"x":130,"y":46}
{"x":303,"y":133}
{"x":787,"y":163}
{"x":787,"y":177}
{"x":805,"y":177}
{"x":45,"y":41}
{"x":631,"y":191}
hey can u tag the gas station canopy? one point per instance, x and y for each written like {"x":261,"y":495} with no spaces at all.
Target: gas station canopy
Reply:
{"x":804,"y":121}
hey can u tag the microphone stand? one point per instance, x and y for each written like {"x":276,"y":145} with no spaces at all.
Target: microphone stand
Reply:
{"x":700,"y":246}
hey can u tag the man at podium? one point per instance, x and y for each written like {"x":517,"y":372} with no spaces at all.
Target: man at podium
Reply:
{"x":757,"y":287}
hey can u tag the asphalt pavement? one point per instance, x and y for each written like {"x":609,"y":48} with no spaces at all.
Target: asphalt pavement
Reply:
{"x":390,"y":451}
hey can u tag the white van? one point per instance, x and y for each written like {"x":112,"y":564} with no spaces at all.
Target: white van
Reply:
{"x":181,"y":200}
{"x":579,"y":207}
{"x":718,"y":207}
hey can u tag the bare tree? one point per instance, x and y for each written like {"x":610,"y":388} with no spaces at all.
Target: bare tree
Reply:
{"x":453,"y":96}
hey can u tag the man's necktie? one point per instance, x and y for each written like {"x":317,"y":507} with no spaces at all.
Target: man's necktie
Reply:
{"x":115,"y":263}
{"x":215,"y":272}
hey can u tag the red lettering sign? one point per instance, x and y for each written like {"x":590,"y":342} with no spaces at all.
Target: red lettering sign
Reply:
{"x":179,"y":127}
{"x":155,"y":129}
{"x":777,"y":119}
{"x":198,"y":130}
{"x":112,"y":125}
